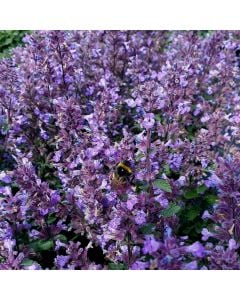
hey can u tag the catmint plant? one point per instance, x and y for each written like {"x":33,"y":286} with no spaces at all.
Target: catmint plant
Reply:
{"x":75,"y":104}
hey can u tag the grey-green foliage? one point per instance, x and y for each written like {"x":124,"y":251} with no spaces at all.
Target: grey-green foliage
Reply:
{"x":10,"y":39}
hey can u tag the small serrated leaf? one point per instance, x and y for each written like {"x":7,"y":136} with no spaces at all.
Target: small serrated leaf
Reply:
{"x":163,"y":185}
{"x":27,"y":262}
{"x":211,"y":199}
{"x":147,"y":228}
{"x":41,"y":245}
{"x":201,"y":189}
{"x":119,"y":266}
{"x":192,"y":214}
{"x":158,"y":117}
{"x":191,"y":194}
{"x":172,"y":210}
{"x":142,"y":186}
{"x":46,"y":245}
{"x":61,"y":237}
{"x":51,"y":219}
{"x":167,"y":170}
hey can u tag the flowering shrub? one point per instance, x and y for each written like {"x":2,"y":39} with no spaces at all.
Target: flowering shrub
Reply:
{"x":76,"y":103}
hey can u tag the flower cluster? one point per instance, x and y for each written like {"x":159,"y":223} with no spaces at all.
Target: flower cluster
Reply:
{"x":74,"y":104}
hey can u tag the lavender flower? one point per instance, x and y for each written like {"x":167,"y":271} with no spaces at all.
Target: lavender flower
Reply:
{"x":150,"y":245}
{"x":73,"y":104}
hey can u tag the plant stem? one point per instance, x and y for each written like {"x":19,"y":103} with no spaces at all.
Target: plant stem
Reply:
{"x":129,"y":248}
{"x":148,"y":163}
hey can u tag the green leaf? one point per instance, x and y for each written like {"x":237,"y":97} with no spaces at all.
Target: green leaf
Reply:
{"x":41,"y":245}
{"x":61,"y":237}
{"x":27,"y":262}
{"x":172,"y":210}
{"x":167,"y":170}
{"x":51,"y":219}
{"x":119,"y":266}
{"x":75,"y":237}
{"x":5,"y":127}
{"x":10,"y":39}
{"x":158,"y":117}
{"x":46,"y":245}
{"x":204,"y":33}
{"x":142,"y":186}
{"x":137,"y":128}
{"x":7,"y":42}
{"x":192,"y":214}
{"x":201,"y":189}
{"x":211,"y":199}
{"x":191,"y":194}
{"x":163,"y":185}
{"x":147,"y":228}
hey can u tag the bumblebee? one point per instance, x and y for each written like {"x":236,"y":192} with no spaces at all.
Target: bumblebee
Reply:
{"x":122,"y":175}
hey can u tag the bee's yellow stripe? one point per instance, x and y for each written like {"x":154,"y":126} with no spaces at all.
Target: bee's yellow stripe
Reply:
{"x":125,"y":167}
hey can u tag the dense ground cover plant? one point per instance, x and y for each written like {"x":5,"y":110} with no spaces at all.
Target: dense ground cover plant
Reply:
{"x":10,"y":39}
{"x":76,"y":103}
